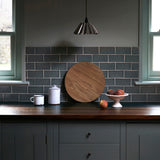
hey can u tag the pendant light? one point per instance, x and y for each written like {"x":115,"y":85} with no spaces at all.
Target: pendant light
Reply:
{"x":85,"y":27}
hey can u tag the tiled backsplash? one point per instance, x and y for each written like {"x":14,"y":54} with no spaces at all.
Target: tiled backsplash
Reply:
{"x":46,"y":66}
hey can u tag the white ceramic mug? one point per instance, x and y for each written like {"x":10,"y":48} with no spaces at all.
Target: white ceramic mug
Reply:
{"x":37,"y":100}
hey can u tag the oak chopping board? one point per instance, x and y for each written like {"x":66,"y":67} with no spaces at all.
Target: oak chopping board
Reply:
{"x":84,"y":82}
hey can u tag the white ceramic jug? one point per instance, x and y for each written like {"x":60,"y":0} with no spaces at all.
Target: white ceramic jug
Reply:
{"x":54,"y":95}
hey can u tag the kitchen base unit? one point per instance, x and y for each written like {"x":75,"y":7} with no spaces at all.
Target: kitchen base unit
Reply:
{"x":81,"y":131}
{"x":23,"y":140}
{"x":97,"y":140}
{"x":62,"y":140}
{"x":143,"y":140}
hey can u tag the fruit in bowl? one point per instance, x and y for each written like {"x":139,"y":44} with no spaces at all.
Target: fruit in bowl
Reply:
{"x":110,"y":91}
{"x":118,"y":95}
{"x":119,"y":92}
{"x":103,"y":104}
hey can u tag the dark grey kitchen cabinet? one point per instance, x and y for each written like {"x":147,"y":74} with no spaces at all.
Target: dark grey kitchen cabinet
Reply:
{"x":95,"y":140}
{"x":143,"y":140}
{"x":23,"y":140}
{"x":79,"y":139}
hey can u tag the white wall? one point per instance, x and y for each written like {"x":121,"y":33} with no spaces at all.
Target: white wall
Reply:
{"x":52,"y":22}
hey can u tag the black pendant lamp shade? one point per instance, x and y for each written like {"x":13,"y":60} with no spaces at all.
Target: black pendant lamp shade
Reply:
{"x":85,"y":27}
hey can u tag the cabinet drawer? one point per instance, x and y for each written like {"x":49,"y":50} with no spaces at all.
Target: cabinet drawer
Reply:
{"x":89,"y":151}
{"x":108,"y":133}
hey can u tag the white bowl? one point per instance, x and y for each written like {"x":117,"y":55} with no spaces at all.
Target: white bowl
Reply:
{"x":116,"y":99}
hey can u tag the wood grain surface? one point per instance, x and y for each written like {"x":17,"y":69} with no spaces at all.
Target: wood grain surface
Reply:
{"x":81,"y":111}
{"x":84,"y":82}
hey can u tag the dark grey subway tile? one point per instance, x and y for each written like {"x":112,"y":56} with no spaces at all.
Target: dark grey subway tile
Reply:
{"x":123,"y":50}
{"x":107,"y":66}
{"x":51,"y":58}
{"x":30,"y":50}
{"x":39,"y":81}
{"x":62,"y":74}
{"x":133,"y":81}
{"x":1,"y":98}
{"x":58,"y":66}
{"x":75,"y":50}
{"x":43,"y":66}
{"x":42,"y":50}
{"x":19,"y":89}
{"x":100,"y":58}
{"x":115,"y":74}
{"x":71,"y":64}
{"x":131,"y":58}
{"x":90,"y":50}
{"x":106,"y":74}
{"x":25,"y":97}
{"x":58,"y":50}
{"x":116,"y":58}
{"x":11,"y":97}
{"x":109,"y":81}
{"x":154,"y":98}
{"x":131,"y":74}
{"x":36,"y":74}
{"x":46,"y":89}
{"x":135,"y":66}
{"x":107,"y":50}
{"x":135,"y":50}
{"x":26,"y":58}
{"x":64,"y":97}
{"x":58,"y":81}
{"x":123,"y":66}
{"x":84,"y":58}
{"x":67,"y":58}
{"x":96,"y":63}
{"x":139,"y":98}
{"x":51,"y":73}
{"x":104,"y":97}
{"x":30,"y":66}
{"x":132,"y":89}
{"x":158,"y":89}
{"x":35,"y":58}
{"x":123,"y":82}
{"x":105,"y":89}
{"x":5,"y":89}
{"x":147,"y":89}
{"x":34,"y":89}
{"x":120,"y":66}
{"x":126,"y":99}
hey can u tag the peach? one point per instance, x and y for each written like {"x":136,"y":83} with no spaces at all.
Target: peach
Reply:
{"x":103,"y":104}
{"x":110,"y":91}
{"x":119,"y":92}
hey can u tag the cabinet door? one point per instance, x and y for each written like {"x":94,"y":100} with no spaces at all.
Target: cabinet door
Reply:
{"x":91,"y":140}
{"x":23,"y":141}
{"x":89,"y":152}
{"x":91,"y":133}
{"x":143,"y":141}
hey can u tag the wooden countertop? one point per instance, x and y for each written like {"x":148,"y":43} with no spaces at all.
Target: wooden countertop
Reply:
{"x":81,"y":111}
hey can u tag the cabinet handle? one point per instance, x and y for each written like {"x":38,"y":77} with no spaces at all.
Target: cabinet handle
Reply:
{"x":88,"y":135}
{"x":88,"y":155}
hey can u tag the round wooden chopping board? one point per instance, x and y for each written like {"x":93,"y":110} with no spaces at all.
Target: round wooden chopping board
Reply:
{"x":84,"y":82}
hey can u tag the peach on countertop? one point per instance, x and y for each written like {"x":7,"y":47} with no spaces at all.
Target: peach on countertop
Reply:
{"x":103,"y":104}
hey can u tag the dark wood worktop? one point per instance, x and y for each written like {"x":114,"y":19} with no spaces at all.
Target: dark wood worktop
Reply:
{"x":81,"y":111}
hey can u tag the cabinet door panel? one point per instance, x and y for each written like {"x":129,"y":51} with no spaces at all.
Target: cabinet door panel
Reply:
{"x":89,"y":133}
{"x":23,"y":141}
{"x":149,"y":147}
{"x":89,"y":151}
{"x":143,"y":141}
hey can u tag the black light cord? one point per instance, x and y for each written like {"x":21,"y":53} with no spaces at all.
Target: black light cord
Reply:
{"x":86,"y":8}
